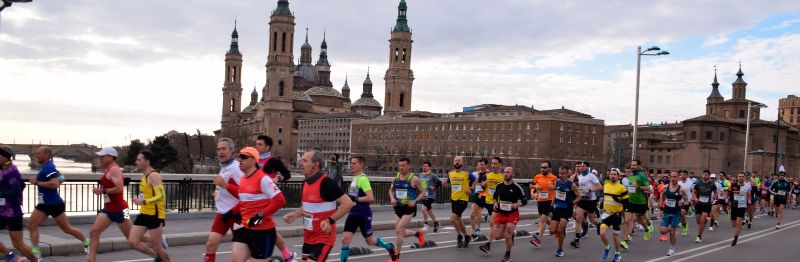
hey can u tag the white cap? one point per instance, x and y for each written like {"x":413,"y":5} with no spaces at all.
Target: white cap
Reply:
{"x":713,"y":175}
{"x":107,"y":151}
{"x":594,"y":171}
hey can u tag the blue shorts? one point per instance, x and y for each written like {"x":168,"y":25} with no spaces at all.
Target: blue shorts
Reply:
{"x":116,"y":217}
{"x":670,"y":220}
{"x":354,"y":222}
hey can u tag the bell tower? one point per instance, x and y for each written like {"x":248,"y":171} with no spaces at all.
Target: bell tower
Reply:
{"x":278,"y":89}
{"x":399,"y":77}
{"x":232,"y":85}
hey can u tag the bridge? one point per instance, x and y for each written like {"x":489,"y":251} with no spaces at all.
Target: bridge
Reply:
{"x":75,"y":152}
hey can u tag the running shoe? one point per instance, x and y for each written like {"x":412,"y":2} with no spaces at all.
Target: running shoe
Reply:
{"x":37,"y":253}
{"x":466,"y":240}
{"x":435,"y":227}
{"x":86,"y":246}
{"x":685,"y":231}
{"x":617,"y":257}
{"x":698,"y":240}
{"x":477,"y":232}
{"x":749,"y":225}
{"x":711,"y":228}
{"x":778,"y":226}
{"x":393,"y":253}
{"x":421,"y":238}
{"x":486,"y":248}
{"x":605,"y":253}
{"x":559,"y":253}
{"x":460,"y":242}
{"x":663,"y":238}
{"x":646,"y":234}
{"x":11,"y":257}
{"x":670,"y":252}
{"x":536,"y":241}
{"x":624,"y":244}
{"x":575,"y":243}
{"x":506,"y":258}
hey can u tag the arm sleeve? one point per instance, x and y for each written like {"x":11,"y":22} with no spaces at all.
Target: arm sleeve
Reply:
{"x":158,"y":194}
{"x":277,"y":202}
{"x":233,"y":188}
{"x":522,"y":197}
{"x":330,"y":191}
{"x":268,"y":187}
{"x":364,"y":185}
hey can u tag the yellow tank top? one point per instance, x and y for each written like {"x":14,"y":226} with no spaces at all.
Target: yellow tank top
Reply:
{"x":492,"y":180}
{"x":616,"y":189}
{"x":157,"y":208}
{"x":459,"y":183}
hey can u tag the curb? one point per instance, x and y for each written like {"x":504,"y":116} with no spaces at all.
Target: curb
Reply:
{"x":199,"y":238}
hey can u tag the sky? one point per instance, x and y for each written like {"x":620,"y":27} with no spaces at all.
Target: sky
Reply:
{"x":105,"y":72}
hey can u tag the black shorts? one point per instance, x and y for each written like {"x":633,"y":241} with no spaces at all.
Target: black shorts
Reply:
{"x":614,"y":221}
{"x":11,"y":223}
{"x":562,"y":213}
{"x":479,"y":200}
{"x":545,"y":208}
{"x":765,"y":196}
{"x":316,"y":252}
{"x":427,"y":203}
{"x":638,"y":209}
{"x":738,"y":213}
{"x":260,"y":242}
{"x":779,"y":201}
{"x":589,"y":206}
{"x":116,"y":217}
{"x":354,"y":222}
{"x":722,"y":202}
{"x":701,"y":208}
{"x":685,"y":208}
{"x":53,"y":210}
{"x":148,"y":221}
{"x":458,"y":206}
{"x":402,"y":210}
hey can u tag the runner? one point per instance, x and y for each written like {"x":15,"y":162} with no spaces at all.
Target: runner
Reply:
{"x":563,"y":203}
{"x":673,"y":198}
{"x":225,"y":196}
{"x":703,"y":194}
{"x":319,"y":209}
{"x":11,"y":186}
{"x":490,"y":186}
{"x":458,"y":181}
{"x":259,"y":199}
{"x":795,"y":193}
{"x":751,"y":207}
{"x":430,"y":181}
{"x":152,"y":211}
{"x":723,"y":185}
{"x":115,"y":208}
{"x":615,"y":195}
{"x":508,"y":198}
{"x":50,"y":203}
{"x":636,"y":208}
{"x":765,"y":195}
{"x":479,"y":196}
{"x":740,"y":197}
{"x":780,"y":189}
{"x":686,"y":185}
{"x":588,"y":185}
{"x":405,"y":193}
{"x":277,"y":171}
{"x":360,"y":192}
{"x":543,"y":187}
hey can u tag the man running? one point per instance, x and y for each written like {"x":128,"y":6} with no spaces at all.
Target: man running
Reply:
{"x":686,"y":185}
{"x":780,"y":189}
{"x":723,"y":185}
{"x":50,"y":203}
{"x":277,"y":171}
{"x":11,"y":186}
{"x":430,"y":181}
{"x":405,"y":192}
{"x":703,"y":194}
{"x":226,"y":195}
{"x":543,"y":188}
{"x":614,"y":197}
{"x":490,"y":185}
{"x":152,"y":210}
{"x":740,"y":197}
{"x":636,"y":208}
{"x":672,"y":196}
{"x":319,"y":209}
{"x":588,"y":185}
{"x":563,"y":203}
{"x":115,"y":208}
{"x":479,"y":196}
{"x":259,"y":199}
{"x":360,"y":192}
{"x":458,"y":180}
{"x":508,"y":198}
{"x":795,"y":193}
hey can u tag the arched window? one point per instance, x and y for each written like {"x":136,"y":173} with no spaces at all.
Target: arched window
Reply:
{"x":233,"y":104}
{"x":232,"y":74}
{"x":396,"y":53}
{"x":280,"y":88}
{"x":389,"y":99}
{"x":404,"y":55}
{"x":283,"y":42}
{"x":402,"y":99}
{"x":274,"y":41}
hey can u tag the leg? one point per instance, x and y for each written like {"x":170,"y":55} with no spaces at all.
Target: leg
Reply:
{"x":508,"y":233}
{"x":779,"y":213}
{"x":155,"y":242}
{"x":672,"y":236}
{"x":280,"y":243}
{"x":36,"y":219}
{"x":19,"y":245}
{"x":603,"y":237}
{"x":101,"y":223}
{"x":347,"y":237}
{"x":240,"y":252}
{"x":125,"y":227}
{"x":474,"y":217}
{"x":579,"y":212}
{"x":627,"y":227}
{"x":63,"y":222}
{"x":214,"y":239}
{"x":562,"y":232}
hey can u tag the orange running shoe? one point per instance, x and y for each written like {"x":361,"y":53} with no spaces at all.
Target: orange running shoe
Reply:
{"x":421,"y":238}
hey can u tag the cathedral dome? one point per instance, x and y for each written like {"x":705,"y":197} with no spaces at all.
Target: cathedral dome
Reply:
{"x":308,"y":72}
{"x":324,"y":91}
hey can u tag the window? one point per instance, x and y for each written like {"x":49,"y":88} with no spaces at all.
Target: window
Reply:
{"x":280,"y":142}
{"x":280,"y":130}
{"x":404,"y":55}
{"x":396,"y":53}
{"x":389,"y":99}
{"x":402,"y":99}
{"x":721,"y":136}
{"x":660,"y":158}
{"x":709,"y":135}
{"x":741,"y":114}
{"x":233,"y":104}
{"x":283,"y":42}
{"x":560,"y":127}
{"x":652,"y":159}
{"x":274,"y":41}
{"x":280,"y":88}
{"x":693,"y":135}
{"x":669,"y":159}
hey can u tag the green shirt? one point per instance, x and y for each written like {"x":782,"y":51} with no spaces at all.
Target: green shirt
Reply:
{"x":637,"y":196}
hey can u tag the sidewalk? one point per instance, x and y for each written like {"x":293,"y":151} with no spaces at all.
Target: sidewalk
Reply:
{"x":194,"y":231}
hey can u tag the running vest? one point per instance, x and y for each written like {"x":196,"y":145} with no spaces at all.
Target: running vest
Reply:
{"x":403,"y":190}
{"x":611,"y":193}
{"x":316,"y":210}
{"x":112,"y":202}
{"x":459,"y":183}
{"x":563,"y":194}
{"x":253,"y":198}
{"x":146,"y":192}
{"x":671,"y":200}
{"x":492,"y":180}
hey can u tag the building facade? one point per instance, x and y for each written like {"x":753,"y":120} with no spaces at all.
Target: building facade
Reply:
{"x":521,"y":135}
{"x":713,"y":141}
{"x":789,"y":110}
{"x":330,"y":133}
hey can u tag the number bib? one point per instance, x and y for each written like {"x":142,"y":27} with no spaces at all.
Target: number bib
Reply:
{"x":457,"y":188}
{"x":704,"y":199}
{"x":308,"y":221}
{"x":478,"y":188}
{"x":40,"y":198}
{"x":671,"y":203}
{"x":106,"y":199}
{"x":400,"y":193}
{"x":543,"y":195}
{"x":631,"y":189}
{"x":561,"y":195}
{"x":505,"y":206}
{"x":781,"y":192}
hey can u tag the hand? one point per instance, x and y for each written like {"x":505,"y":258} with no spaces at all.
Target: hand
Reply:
{"x":214,"y":194}
{"x":496,"y":206}
{"x":412,"y":203}
{"x":219,"y":181}
{"x":33,"y":180}
{"x":288,"y":218}
{"x":325,"y":226}
{"x":279,"y":178}
{"x":537,"y":187}
{"x":138,"y":201}
{"x":97,"y":190}
{"x":393,"y":202}
{"x":353,"y":198}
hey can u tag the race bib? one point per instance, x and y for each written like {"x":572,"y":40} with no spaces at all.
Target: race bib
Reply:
{"x":671,"y":203}
{"x":141,"y":196}
{"x":308,"y":221}
{"x":400,"y":193}
{"x":456,"y":188}
{"x":703,"y":199}
{"x":584,"y":192}
{"x":604,"y":216}
{"x":40,"y":198}
{"x":561,"y":195}
{"x":491,"y":191}
{"x":478,"y":188}
{"x":505,"y":206}
{"x":543,"y":195}
{"x":106,"y":199}
{"x":739,"y":198}
{"x":126,"y":214}
{"x":631,"y":189}
{"x":741,"y":204}
{"x":781,"y":192}
{"x":2,"y":201}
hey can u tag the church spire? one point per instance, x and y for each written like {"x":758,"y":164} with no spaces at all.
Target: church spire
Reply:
{"x":402,"y":21}
{"x":323,"y":53}
{"x":739,"y":86}
{"x":715,"y":86}
{"x":234,"y":49}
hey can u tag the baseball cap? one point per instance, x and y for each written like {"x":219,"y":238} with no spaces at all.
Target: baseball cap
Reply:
{"x":107,"y":151}
{"x":250,"y":151}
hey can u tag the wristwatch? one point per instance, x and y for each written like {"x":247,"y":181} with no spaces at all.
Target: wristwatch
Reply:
{"x":331,"y":220}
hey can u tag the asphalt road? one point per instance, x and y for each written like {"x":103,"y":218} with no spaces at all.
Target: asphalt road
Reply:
{"x":761,"y":243}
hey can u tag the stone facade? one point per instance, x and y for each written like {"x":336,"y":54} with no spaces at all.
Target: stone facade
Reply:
{"x":521,"y":135}
{"x":330,"y":133}
{"x":714,"y":141}
{"x":789,"y":110}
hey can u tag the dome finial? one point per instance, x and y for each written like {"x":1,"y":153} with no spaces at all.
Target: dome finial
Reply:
{"x":306,"y":34}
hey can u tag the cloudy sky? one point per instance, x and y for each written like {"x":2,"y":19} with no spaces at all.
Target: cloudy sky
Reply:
{"x":103,"y":72}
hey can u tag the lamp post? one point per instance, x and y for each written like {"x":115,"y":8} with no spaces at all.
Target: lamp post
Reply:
{"x":639,"y":54}
{"x":747,"y":131}
{"x":7,"y":3}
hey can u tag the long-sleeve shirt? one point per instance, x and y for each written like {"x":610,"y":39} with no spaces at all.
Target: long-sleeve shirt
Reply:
{"x":11,"y":186}
{"x":506,"y":195}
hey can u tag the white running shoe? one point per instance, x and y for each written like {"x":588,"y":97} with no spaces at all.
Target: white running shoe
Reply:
{"x":425,"y":227}
{"x":670,"y":252}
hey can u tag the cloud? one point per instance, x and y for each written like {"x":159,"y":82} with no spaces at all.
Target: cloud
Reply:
{"x":716,"y":40}
{"x":784,"y":24}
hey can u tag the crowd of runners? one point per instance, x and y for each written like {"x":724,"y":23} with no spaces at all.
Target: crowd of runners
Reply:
{"x":247,"y":197}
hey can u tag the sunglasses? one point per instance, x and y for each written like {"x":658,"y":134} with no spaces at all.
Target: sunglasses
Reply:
{"x":543,"y":167}
{"x":243,"y":156}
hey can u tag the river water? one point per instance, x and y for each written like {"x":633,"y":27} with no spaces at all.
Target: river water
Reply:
{"x":64,"y":166}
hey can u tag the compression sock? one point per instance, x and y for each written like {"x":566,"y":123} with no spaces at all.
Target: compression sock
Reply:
{"x":211,"y":258}
{"x":381,"y":243}
{"x":345,"y":254}
{"x":286,"y":253}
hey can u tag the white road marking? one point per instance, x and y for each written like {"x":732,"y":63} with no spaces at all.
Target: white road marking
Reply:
{"x":739,"y":242}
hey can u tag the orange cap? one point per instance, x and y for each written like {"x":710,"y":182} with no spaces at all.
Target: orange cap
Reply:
{"x":251,"y":151}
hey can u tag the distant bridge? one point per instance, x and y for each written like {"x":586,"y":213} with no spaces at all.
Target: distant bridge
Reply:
{"x":76,"y":152}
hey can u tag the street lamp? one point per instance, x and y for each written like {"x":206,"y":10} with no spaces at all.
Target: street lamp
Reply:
{"x":639,"y":54}
{"x":747,"y":131}
{"x":7,"y":3}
